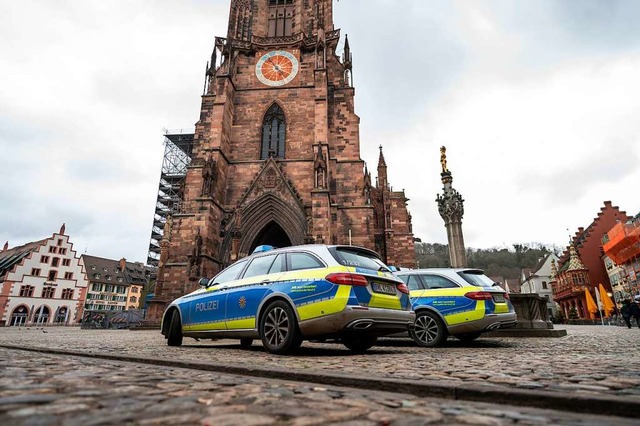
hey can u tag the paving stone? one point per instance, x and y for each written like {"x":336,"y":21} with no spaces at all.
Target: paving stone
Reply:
{"x":47,"y":389}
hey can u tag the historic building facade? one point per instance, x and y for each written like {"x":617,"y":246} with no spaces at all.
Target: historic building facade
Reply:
{"x":113,"y":285}
{"x":581,"y":266}
{"x":538,"y":280}
{"x":622,"y":258}
{"x":41,"y":283}
{"x":276,"y":152}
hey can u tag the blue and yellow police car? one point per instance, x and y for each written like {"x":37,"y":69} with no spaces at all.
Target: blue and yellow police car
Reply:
{"x":284,"y":296}
{"x":461,"y":302}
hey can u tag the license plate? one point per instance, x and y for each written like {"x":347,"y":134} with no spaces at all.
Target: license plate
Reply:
{"x":384,"y":288}
{"x":498,"y":298}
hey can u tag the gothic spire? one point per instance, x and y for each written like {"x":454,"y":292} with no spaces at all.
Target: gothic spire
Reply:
{"x":381,"y":161}
{"x":382,"y":171}
{"x":575,"y":264}
{"x":554,"y":270}
{"x":346,"y":54}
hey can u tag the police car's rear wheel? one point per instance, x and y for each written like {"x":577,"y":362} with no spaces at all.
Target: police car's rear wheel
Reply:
{"x":279,"y":329}
{"x":428,"y":330}
{"x":359,"y":343}
{"x":174,"y":338}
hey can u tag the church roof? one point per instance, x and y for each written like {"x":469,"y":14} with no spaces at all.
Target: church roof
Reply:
{"x":110,"y":271}
{"x":574,"y":264}
{"x":13,"y":256}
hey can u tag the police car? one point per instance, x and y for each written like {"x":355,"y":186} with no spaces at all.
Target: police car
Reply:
{"x":284,"y":296}
{"x":462,"y":302}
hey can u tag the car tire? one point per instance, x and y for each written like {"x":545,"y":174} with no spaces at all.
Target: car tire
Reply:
{"x":279,"y":329}
{"x":468,"y":337}
{"x":174,"y":338}
{"x":246,"y":342}
{"x":428,"y":330}
{"x":359,"y":343}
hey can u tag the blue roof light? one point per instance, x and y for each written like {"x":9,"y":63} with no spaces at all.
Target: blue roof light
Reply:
{"x":262,"y":249}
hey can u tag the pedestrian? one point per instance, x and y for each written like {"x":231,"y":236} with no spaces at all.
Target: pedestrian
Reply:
{"x":635,"y":310}
{"x":625,"y":310}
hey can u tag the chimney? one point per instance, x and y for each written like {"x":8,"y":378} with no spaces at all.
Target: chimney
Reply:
{"x":62,"y":229}
{"x":122,"y":264}
{"x":6,"y":246}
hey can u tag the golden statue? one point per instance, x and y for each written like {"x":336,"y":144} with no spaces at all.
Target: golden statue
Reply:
{"x":443,"y":159}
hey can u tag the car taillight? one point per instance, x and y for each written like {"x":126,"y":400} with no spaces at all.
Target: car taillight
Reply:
{"x":346,"y":278}
{"x":402,"y":288}
{"x":506,"y":295}
{"x":479,"y":295}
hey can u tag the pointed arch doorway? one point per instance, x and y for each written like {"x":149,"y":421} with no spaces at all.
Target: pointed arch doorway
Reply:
{"x":272,"y":234}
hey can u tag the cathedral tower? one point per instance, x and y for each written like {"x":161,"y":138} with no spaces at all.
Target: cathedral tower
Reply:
{"x":276,"y":152}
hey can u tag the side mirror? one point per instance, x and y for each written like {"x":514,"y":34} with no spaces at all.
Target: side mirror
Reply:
{"x":204,"y":282}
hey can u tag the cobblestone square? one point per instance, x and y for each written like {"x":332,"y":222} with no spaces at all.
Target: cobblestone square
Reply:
{"x":47,"y":388}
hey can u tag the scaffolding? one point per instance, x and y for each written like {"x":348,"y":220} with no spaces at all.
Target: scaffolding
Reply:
{"x":178,"y":148}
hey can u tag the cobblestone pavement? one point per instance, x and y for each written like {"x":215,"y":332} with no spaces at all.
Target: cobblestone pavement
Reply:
{"x":44,"y":389}
{"x":590,"y":360}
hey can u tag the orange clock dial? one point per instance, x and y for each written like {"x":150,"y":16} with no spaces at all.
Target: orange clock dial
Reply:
{"x":276,"y":68}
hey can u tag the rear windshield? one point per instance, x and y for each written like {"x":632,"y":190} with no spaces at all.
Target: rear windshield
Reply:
{"x":357,"y":259}
{"x":476,"y":278}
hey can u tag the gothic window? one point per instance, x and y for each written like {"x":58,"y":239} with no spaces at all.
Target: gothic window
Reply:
{"x":273,"y":133}
{"x":280,"y":18}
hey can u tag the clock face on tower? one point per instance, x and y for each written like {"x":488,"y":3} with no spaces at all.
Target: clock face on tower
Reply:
{"x":276,"y":68}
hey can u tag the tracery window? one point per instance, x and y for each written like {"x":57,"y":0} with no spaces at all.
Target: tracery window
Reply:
{"x":273,"y":133}
{"x":280,"y":18}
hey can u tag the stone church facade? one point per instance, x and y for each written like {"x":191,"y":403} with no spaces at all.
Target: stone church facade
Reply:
{"x":276,"y":154}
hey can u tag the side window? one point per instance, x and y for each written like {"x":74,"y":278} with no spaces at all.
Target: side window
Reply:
{"x":299,"y":261}
{"x":414,"y":283}
{"x":436,"y":281}
{"x":229,"y":274}
{"x":280,"y":264}
{"x":259,"y":266}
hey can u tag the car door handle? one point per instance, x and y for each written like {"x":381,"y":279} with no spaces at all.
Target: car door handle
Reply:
{"x":265,"y":282}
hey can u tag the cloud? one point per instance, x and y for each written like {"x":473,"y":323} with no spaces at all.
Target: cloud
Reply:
{"x":534,"y":101}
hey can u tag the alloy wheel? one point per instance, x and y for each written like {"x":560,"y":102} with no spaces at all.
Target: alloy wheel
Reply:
{"x":276,"y":326}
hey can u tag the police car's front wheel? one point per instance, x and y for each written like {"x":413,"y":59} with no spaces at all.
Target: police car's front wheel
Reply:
{"x":279,"y":329}
{"x":428,"y":330}
{"x":359,"y":343}
{"x":174,"y":338}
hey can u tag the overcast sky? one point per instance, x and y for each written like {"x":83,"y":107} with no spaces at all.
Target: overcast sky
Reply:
{"x":537,"y":103}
